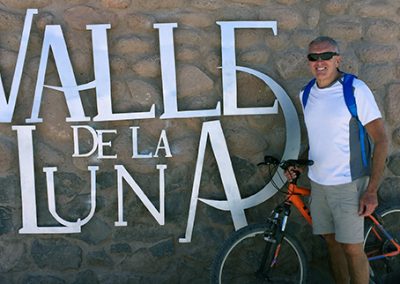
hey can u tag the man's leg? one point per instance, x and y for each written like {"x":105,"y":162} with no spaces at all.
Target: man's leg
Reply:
{"x":338,"y":260}
{"x":358,"y":263}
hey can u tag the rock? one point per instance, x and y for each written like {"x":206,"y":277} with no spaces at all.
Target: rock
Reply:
{"x":383,"y":31}
{"x":47,"y":254}
{"x":85,"y":277}
{"x":78,"y":17}
{"x":377,"y":53}
{"x":334,"y":7}
{"x":12,"y":251}
{"x":343,"y":28}
{"x":193,"y":82}
{"x":116,"y":4}
{"x":394,"y":164}
{"x":392,"y":104}
{"x":100,"y":259}
{"x":133,"y":45}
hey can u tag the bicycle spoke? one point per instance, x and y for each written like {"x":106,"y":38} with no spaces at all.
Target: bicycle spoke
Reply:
{"x":388,"y":268}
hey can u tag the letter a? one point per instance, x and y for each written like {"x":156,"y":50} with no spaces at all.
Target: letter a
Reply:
{"x":213,"y":129}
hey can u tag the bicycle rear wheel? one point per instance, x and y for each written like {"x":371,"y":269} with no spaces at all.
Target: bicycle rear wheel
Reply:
{"x":386,"y":270}
{"x":240,"y":256}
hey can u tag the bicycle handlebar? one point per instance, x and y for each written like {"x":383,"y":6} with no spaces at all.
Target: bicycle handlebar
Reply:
{"x":269,"y":160}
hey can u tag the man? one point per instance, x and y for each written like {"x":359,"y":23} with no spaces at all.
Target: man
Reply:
{"x":340,"y":197}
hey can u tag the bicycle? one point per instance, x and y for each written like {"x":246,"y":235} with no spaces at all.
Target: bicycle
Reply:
{"x":268,"y":253}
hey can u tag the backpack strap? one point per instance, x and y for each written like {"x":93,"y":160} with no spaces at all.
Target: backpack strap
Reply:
{"x":306,"y":92}
{"x":348,"y":92}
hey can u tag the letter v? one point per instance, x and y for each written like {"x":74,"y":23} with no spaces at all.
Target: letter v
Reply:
{"x":7,"y":108}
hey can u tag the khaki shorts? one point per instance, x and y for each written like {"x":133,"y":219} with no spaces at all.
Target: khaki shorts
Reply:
{"x":334,"y":210}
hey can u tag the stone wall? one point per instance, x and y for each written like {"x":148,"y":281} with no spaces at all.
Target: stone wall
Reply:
{"x":144,"y":251}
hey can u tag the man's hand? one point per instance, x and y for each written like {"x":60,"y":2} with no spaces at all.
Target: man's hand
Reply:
{"x":292,"y":173}
{"x":368,"y":203}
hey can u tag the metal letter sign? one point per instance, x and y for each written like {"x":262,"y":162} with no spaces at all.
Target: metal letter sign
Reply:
{"x":53,"y":40}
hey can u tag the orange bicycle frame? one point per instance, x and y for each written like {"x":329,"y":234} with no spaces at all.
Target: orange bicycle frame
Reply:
{"x":294,"y":196}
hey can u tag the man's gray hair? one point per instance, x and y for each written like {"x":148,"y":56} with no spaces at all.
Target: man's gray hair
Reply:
{"x":325,"y":39}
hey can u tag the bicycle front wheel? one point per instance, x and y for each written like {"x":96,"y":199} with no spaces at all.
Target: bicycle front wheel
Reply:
{"x":240,"y":256}
{"x":386,"y":269}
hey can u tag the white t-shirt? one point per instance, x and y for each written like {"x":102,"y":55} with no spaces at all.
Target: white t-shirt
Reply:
{"x":327,"y":120}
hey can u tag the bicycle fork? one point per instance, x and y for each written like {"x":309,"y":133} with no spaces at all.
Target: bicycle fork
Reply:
{"x":273,"y":238}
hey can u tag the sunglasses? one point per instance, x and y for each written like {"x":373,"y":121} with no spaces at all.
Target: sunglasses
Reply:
{"x":322,"y":56}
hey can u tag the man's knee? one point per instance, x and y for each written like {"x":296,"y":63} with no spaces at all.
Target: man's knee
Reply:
{"x":353,"y":249}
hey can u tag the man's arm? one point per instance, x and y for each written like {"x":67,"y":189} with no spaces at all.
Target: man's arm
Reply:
{"x":369,"y":200}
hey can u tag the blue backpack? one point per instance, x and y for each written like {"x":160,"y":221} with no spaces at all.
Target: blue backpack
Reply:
{"x":348,"y":92}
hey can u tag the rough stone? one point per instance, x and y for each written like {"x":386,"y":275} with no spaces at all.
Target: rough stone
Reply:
{"x":248,"y":39}
{"x":206,"y":4}
{"x":193,"y":82}
{"x":199,"y":20}
{"x":27,"y":3}
{"x":7,"y":158}
{"x":396,"y":136}
{"x":288,"y":18}
{"x":140,"y":22}
{"x":142,"y":95}
{"x":291,"y":63}
{"x":43,"y":20}
{"x":123,"y":248}
{"x":33,"y":279}
{"x":389,"y":190}
{"x":95,"y":232}
{"x":8,"y":20}
{"x":79,"y":16}
{"x":343,"y":28}
{"x":86,"y":277}
{"x":394,"y":164}
{"x":392,"y":104}
{"x":99,"y":259}
{"x":148,"y":67}
{"x":187,"y":53}
{"x":334,"y":7}
{"x":47,"y":253}
{"x":377,"y":53}
{"x":116,"y":4}
{"x":254,"y":57}
{"x":287,"y":2}
{"x":155,"y":5}
{"x":313,"y":17}
{"x":118,"y":65}
{"x":122,"y":278}
{"x":8,"y":193}
{"x":374,"y":9}
{"x":8,"y":59}
{"x":11,"y":253}
{"x":383,"y":31}
{"x":6,"y":224}
{"x":133,"y":45}
{"x":369,"y":73}
{"x":163,"y":248}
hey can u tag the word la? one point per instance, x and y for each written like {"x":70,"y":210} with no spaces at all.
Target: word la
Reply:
{"x":99,"y":143}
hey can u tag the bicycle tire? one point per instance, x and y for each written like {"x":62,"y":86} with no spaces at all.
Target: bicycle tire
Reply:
{"x":386,"y":270}
{"x":237,"y":260}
